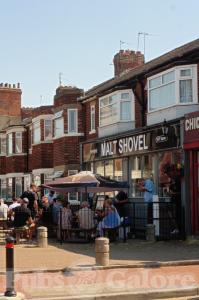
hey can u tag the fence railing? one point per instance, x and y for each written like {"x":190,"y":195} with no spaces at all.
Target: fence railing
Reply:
{"x":83,"y":224}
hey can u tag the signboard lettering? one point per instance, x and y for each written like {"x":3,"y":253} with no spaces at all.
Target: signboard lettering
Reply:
{"x":124,"y":145}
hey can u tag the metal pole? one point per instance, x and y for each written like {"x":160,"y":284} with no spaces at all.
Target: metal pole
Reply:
{"x":10,"y":291}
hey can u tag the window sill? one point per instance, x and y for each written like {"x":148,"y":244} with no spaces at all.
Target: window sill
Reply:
{"x":172,"y":106}
{"x":92,"y":131}
{"x":16,"y":154}
{"x":68,"y":135}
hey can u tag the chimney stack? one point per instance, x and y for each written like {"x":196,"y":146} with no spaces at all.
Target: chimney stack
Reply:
{"x":126,"y":60}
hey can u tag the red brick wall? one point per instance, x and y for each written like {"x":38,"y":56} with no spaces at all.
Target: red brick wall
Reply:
{"x":3,"y":165}
{"x":30,"y":112}
{"x":66,"y":150}
{"x":42,"y":156}
{"x":16,"y":164}
{"x":66,"y":95}
{"x":10,"y":101}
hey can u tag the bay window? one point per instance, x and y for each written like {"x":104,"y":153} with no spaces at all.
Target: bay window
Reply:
{"x":172,"y":87}
{"x":3,"y":145}
{"x":59,"y":127}
{"x":116,"y":107}
{"x":36,"y":132}
{"x":72,"y":121}
{"x":47,"y":129}
{"x":18,"y":142}
{"x":10,"y":144}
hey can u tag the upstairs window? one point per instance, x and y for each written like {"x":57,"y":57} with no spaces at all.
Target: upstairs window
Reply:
{"x":172,"y":87}
{"x":47,"y":129}
{"x":10,"y":144}
{"x":36,"y":132}
{"x":72,"y":121}
{"x":116,"y":107}
{"x":3,"y":145}
{"x":92,"y":117}
{"x":18,"y":142}
{"x":58,"y":127}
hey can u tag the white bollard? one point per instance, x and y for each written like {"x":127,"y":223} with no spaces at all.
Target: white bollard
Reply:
{"x":102,"y":251}
{"x":42,"y":237}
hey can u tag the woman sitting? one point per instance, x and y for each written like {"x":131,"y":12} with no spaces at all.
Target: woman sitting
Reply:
{"x":111,"y":218}
{"x":65,"y":222}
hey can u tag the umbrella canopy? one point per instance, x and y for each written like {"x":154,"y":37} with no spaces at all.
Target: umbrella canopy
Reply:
{"x":84,"y":178}
{"x":86,"y":181}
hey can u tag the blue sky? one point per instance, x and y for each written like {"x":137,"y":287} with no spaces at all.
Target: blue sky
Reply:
{"x":40,"y":38}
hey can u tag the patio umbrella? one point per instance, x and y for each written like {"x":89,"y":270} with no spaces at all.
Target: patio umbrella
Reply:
{"x":86,"y":182}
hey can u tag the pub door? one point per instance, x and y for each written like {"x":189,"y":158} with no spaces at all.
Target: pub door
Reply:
{"x":194,"y":183}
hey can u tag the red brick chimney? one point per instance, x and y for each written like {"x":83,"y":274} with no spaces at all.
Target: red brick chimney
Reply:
{"x":126,"y":60}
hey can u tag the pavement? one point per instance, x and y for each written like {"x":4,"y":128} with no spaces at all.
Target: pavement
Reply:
{"x":138,"y":270}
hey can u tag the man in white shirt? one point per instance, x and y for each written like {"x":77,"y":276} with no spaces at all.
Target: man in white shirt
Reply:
{"x":3,"y":214}
{"x":85,"y":217}
{"x":16,"y":202}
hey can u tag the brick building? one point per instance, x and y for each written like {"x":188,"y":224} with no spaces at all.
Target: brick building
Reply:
{"x":38,"y":144}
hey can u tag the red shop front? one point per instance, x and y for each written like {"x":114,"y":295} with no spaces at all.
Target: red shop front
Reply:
{"x":191,"y":146}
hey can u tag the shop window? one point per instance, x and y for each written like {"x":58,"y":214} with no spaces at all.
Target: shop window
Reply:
{"x":3,"y":188}
{"x":18,"y":142}
{"x":72,"y":121}
{"x":109,"y":168}
{"x":18,"y":186}
{"x":36,"y":132}
{"x":3,"y":145}
{"x":99,"y":168}
{"x":173,"y":87}
{"x":136,"y":175}
{"x":73,"y":198}
{"x":58,"y":127}
{"x":47,"y":129}
{"x":118,"y":169}
{"x":116,"y":107}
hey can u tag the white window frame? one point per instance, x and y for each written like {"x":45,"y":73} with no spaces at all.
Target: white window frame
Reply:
{"x":118,"y":103}
{"x":58,"y":133}
{"x":10,"y":143}
{"x":92,"y":117}
{"x":19,"y":138}
{"x":3,"y":138}
{"x":36,"y":126}
{"x":177,"y":80}
{"x":76,"y":121}
{"x":51,"y":129}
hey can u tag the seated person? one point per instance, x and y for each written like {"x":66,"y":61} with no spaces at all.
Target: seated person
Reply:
{"x":66,"y":218}
{"x":22,"y":218}
{"x":111,"y":217}
{"x":85,"y":216}
{"x":120,"y":202}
